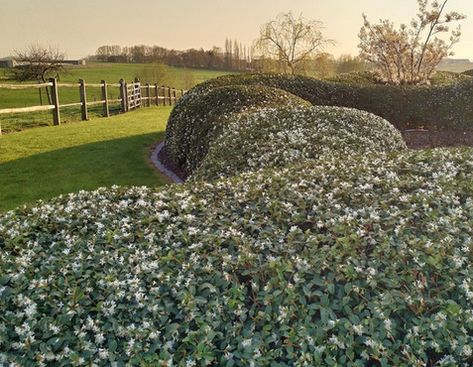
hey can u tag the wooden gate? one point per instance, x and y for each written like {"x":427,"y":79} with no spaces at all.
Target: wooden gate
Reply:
{"x":133,"y":95}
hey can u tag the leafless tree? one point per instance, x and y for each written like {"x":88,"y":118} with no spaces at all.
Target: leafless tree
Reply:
{"x":410,"y":54}
{"x":291,"y":40}
{"x":38,"y":63}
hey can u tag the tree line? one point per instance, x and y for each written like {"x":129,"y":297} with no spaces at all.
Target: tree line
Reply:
{"x":409,"y":54}
{"x":233,"y":57}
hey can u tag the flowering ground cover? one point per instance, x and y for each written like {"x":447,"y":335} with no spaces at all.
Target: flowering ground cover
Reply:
{"x":201,"y":115}
{"x":275,"y":137}
{"x":353,"y":262}
{"x":325,"y":243}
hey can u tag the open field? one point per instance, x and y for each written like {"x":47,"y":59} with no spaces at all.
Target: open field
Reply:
{"x":43,"y":163}
{"x":180,"y":78}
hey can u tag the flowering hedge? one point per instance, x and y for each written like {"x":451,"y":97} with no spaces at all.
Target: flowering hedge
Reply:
{"x":276,"y":137}
{"x":201,"y":114}
{"x":357,"y":262}
{"x":435,"y":107}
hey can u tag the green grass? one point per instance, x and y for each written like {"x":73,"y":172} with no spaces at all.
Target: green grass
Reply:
{"x":180,"y":78}
{"x":43,"y":163}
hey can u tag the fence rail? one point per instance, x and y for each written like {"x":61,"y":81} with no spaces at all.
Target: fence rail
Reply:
{"x":132,"y":96}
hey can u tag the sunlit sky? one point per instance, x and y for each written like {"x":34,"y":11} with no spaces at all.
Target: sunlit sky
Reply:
{"x":78,"y":27}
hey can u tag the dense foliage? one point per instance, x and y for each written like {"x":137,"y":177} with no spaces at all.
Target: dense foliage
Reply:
{"x":276,"y":137}
{"x":468,"y":72}
{"x":202,"y":113}
{"x":355,"y":262}
{"x":333,"y":250}
{"x":439,"y":78}
{"x":437,"y":107}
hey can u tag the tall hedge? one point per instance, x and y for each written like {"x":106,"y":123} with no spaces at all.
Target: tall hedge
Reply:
{"x":434,"y":107}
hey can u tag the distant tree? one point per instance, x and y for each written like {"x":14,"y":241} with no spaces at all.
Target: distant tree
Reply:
{"x":291,"y":40}
{"x":154,"y":73}
{"x":188,"y":79}
{"x":106,"y":53}
{"x":323,"y":64}
{"x":410,"y":54}
{"x":38,"y":63}
{"x":348,"y":64}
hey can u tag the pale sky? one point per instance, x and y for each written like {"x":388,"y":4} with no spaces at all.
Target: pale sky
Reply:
{"x":79,"y":27}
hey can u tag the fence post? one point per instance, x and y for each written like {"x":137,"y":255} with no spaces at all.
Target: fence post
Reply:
{"x":169,"y":96}
{"x":55,"y":102}
{"x":182,"y":93}
{"x":174,"y":93}
{"x":156,"y":94}
{"x":83,"y":99}
{"x":106,"y":110}
{"x":123,"y":95}
{"x":164,"y":95}
{"x":148,"y":94}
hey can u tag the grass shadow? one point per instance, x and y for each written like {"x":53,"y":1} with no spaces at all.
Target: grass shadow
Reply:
{"x":122,"y":161}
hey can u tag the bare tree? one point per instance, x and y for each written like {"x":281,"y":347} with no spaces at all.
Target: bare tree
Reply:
{"x":291,"y":40}
{"x":39,"y":64}
{"x":410,"y":54}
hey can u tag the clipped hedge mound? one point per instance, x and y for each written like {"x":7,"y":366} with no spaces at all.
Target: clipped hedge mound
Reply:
{"x":356,"y":78}
{"x":201,"y":114}
{"x":468,"y":72}
{"x":359,"y":262}
{"x":276,"y":137}
{"x":434,"y":107}
{"x":448,"y":78}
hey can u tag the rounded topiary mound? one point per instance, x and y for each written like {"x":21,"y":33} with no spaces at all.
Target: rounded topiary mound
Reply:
{"x":276,"y":137}
{"x":200,"y":115}
{"x":357,"y":262}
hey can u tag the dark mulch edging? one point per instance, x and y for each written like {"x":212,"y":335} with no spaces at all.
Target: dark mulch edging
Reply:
{"x":171,"y":165}
{"x":421,"y":139}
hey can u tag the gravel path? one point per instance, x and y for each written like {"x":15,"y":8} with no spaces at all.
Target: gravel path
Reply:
{"x":160,"y":166}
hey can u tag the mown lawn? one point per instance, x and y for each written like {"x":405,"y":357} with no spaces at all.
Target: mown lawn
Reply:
{"x":180,"y":78}
{"x":45,"y":162}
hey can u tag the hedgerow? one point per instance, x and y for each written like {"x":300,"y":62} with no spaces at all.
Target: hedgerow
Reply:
{"x":364,"y":261}
{"x":201,"y":114}
{"x":276,"y":137}
{"x":438,"y":107}
{"x":468,"y":72}
{"x":356,"y":78}
{"x":445,"y":78}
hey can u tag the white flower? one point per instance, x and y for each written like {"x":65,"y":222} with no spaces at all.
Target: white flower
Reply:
{"x":467,"y":351}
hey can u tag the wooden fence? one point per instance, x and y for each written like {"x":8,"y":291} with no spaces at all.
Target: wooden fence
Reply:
{"x":132,"y":96}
